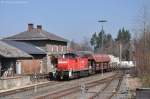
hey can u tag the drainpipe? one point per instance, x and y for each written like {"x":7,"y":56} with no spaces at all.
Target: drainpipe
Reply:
{"x":41,"y":66}
{"x":0,"y":68}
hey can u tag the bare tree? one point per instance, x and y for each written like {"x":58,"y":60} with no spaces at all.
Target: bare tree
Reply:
{"x":142,"y":48}
{"x":84,"y":45}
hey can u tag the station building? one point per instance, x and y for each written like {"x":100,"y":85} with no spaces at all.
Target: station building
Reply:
{"x":52,"y":44}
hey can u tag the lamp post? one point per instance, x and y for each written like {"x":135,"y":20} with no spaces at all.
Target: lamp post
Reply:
{"x":102,"y":30}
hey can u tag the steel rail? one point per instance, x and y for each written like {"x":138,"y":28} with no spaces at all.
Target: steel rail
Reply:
{"x":117,"y":88}
{"x":27,"y":88}
{"x":76,"y":88}
{"x":106,"y":86}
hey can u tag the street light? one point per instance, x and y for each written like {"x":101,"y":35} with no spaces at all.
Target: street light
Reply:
{"x":102,"y":21}
{"x":102,"y":30}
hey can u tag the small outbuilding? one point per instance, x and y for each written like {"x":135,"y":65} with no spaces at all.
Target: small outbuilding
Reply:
{"x":8,"y":59}
{"x":30,"y":66}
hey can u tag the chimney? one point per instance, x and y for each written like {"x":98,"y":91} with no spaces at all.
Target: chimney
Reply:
{"x":30,"y":27}
{"x":39,"y":28}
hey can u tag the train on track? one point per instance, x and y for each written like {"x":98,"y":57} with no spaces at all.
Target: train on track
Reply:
{"x":79,"y":64}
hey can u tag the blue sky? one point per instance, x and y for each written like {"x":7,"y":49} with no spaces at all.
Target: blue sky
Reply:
{"x":71,"y":19}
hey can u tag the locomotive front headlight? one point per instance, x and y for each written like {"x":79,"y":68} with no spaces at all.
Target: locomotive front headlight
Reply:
{"x":70,"y":72}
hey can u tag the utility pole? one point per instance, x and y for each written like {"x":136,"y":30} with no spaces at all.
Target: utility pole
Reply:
{"x":120,"y":47}
{"x":145,"y":38}
{"x":102,"y":30}
{"x":144,"y":24}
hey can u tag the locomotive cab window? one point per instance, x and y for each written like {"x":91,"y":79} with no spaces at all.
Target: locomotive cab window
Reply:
{"x":69,"y":55}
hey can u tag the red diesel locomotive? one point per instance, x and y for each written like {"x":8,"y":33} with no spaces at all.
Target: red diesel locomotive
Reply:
{"x":74,"y":65}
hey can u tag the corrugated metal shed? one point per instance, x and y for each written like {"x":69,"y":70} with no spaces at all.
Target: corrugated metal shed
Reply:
{"x":35,"y":35}
{"x":28,"y":48}
{"x":9,"y":51}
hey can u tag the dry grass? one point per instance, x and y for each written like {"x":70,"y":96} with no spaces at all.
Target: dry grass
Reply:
{"x":145,"y":80}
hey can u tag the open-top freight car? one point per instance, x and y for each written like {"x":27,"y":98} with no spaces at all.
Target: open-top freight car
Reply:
{"x":75,"y":65}
{"x":101,"y":62}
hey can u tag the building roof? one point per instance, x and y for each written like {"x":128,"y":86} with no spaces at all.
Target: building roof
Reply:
{"x":26,"y":47}
{"x":36,"y":34}
{"x":9,"y":51}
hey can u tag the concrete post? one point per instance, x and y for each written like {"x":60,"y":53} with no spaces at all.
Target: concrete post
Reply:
{"x":102,"y":68}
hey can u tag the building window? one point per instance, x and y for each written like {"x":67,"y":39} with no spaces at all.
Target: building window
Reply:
{"x":52,"y":48}
{"x":56,"y":48}
{"x":59,"y":48}
{"x":62,"y":50}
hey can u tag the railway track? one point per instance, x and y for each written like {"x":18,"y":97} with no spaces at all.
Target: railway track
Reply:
{"x":57,"y":89}
{"x":117,"y":88}
{"x":32,"y":87}
{"x":112,"y":94}
{"x":76,"y":88}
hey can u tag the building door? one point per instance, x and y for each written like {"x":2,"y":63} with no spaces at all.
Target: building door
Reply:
{"x":18,"y":67}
